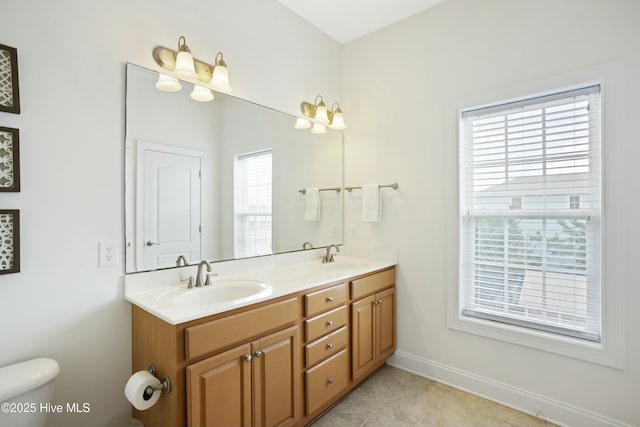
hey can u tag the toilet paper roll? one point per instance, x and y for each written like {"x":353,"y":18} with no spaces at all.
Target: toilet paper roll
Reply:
{"x":136,"y":387}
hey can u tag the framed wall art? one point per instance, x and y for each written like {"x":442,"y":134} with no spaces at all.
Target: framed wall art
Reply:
{"x":9,"y":160}
{"x":9,"y":88}
{"x":9,"y":241}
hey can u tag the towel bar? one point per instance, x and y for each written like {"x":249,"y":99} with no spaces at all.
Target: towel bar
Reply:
{"x":336,"y":189}
{"x":395,"y":186}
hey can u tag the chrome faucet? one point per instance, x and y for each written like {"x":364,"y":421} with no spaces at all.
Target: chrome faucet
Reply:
{"x":305,"y":244}
{"x":328,"y":257}
{"x":199,"y":282}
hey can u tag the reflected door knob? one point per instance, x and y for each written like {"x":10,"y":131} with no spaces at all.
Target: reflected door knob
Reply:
{"x":150,"y":243}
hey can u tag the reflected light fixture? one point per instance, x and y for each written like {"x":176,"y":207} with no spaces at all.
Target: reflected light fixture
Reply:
{"x":182,"y":64}
{"x":302,"y":123}
{"x":318,"y":129}
{"x":320,"y":116}
{"x":168,"y":83}
{"x":201,"y":94}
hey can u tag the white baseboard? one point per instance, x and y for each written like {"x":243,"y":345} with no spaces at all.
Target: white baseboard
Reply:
{"x":525,"y":401}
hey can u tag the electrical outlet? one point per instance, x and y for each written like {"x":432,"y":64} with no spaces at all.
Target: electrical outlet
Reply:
{"x":108,"y":253}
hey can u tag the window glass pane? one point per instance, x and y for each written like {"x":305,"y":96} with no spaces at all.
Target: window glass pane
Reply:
{"x":530,"y":200}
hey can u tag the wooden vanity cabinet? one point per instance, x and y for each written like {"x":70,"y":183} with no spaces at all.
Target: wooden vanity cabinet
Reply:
{"x":254,"y":384}
{"x":326,"y":350}
{"x":281,"y":362}
{"x":373,"y":322}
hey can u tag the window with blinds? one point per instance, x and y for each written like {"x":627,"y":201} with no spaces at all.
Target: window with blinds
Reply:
{"x":252,"y":204}
{"x":530,"y":213}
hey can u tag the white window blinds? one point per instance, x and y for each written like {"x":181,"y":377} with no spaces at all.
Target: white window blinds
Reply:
{"x":530,"y":213}
{"x":252,"y":204}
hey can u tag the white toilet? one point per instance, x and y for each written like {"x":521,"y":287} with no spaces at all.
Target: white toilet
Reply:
{"x":24,"y":386}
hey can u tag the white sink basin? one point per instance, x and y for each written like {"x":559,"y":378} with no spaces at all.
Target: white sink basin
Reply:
{"x":221,"y":291}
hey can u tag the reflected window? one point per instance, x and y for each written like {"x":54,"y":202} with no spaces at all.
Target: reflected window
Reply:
{"x":253,"y":204}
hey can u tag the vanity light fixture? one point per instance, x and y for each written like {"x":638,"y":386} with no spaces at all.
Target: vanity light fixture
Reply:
{"x":184,"y":61}
{"x":220,"y":77}
{"x":320,"y":116}
{"x":337,"y":121}
{"x":182,"y":64}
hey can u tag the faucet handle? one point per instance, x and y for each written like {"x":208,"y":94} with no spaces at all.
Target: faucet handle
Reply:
{"x":207,"y":281}
{"x":188,"y":279}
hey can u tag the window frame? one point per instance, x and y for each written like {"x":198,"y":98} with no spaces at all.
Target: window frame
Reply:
{"x":611,"y":350}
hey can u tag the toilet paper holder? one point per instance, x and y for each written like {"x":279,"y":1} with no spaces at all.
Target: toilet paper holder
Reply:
{"x":165,"y":384}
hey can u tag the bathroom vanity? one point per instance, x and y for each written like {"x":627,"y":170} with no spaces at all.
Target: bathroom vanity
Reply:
{"x":280,"y":361}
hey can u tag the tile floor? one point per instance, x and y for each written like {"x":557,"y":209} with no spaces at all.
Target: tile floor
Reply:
{"x":395,"y":398}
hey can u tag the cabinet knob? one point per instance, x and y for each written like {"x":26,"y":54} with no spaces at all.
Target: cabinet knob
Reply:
{"x":329,"y":299}
{"x":330,"y":345}
{"x":329,"y":381}
{"x":379,"y":301}
{"x":330,"y":323}
{"x":258,"y":353}
{"x":247,"y":357}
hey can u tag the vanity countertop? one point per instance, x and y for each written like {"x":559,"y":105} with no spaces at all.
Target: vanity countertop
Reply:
{"x":159,"y":294}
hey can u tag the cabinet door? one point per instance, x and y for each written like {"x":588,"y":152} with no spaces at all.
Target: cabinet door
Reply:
{"x":276,"y":359}
{"x":219,"y":390}
{"x":385,"y":324}
{"x":363,"y":336}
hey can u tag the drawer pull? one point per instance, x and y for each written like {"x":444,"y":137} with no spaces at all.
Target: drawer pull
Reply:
{"x":330,"y":323}
{"x":329,"y":381}
{"x":258,"y":353}
{"x":247,"y":357}
{"x":330,"y":345}
{"x":329,"y":299}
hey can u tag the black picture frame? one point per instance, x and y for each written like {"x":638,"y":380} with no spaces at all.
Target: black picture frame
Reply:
{"x":9,"y":241}
{"x":9,"y":160}
{"x":9,"y":86}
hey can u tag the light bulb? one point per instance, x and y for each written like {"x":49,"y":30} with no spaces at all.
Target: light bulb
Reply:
{"x":338,"y":120}
{"x":184,"y":61}
{"x":201,"y":94}
{"x":220,"y":79}
{"x":168,"y":83}
{"x":302,"y":123}
{"x":321,"y":113}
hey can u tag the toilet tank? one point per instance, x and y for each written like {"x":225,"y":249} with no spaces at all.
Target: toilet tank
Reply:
{"x":24,"y":386}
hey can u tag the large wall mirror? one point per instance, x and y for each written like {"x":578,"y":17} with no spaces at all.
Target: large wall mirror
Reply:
{"x":221,"y":180}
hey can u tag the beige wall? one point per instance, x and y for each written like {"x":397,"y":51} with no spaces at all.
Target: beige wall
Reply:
{"x":399,"y":85}
{"x":72,"y":75}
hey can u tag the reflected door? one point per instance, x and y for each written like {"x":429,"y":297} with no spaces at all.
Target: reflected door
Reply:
{"x":169,"y":205}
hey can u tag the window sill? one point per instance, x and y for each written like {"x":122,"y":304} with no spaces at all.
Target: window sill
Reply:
{"x":540,"y":340}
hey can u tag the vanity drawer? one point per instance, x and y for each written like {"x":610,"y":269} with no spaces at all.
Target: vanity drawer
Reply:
{"x":325,"y":323}
{"x":208,"y":337}
{"x":326,"y":346}
{"x":325,"y":299}
{"x":326,"y":380}
{"x":372,"y":284}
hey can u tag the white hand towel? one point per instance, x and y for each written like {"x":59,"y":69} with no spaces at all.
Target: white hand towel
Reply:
{"x":312,"y":204}
{"x":371,"y":203}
